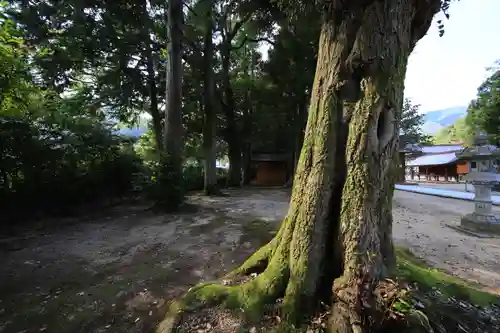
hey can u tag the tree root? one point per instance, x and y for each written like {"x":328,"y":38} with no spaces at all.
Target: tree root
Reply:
{"x":249,"y":297}
{"x":383,"y":307}
{"x":271,"y":266}
{"x":256,"y":263}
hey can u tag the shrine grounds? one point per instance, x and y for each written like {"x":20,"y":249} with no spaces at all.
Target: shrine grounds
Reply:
{"x":117,"y":269}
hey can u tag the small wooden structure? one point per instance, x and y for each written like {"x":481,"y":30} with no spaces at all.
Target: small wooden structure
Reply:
{"x":270,"y":169}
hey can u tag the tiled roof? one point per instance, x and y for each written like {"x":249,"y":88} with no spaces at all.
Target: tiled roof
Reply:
{"x":437,"y":159}
{"x":438,"y":149}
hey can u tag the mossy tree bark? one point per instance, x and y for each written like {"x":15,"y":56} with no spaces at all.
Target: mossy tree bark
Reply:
{"x":336,"y":242}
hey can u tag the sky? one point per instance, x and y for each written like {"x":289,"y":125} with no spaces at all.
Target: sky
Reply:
{"x":446,"y":71}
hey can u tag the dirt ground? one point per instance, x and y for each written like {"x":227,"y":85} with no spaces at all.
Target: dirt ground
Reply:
{"x":116,"y":270}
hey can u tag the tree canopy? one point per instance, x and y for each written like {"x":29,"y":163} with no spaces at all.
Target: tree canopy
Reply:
{"x":55,"y":152}
{"x":484,"y":111}
{"x":459,"y":132}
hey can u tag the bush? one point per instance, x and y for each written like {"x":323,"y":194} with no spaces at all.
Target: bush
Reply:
{"x":48,"y":168}
{"x":193,"y":177}
{"x":147,"y":181}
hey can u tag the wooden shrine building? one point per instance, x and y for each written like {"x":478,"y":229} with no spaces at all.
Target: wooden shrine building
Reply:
{"x":436,"y":163}
{"x":270,"y":169}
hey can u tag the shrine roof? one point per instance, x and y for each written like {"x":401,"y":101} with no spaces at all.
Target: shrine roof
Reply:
{"x":435,"y":159}
{"x":439,"y":149}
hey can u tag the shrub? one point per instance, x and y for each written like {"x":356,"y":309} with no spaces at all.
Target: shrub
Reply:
{"x":48,"y":168}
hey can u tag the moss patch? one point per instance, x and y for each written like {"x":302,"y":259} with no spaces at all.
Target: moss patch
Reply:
{"x":416,"y":270}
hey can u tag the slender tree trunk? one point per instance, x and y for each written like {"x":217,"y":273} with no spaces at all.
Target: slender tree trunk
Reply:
{"x":336,"y":242}
{"x":153,"y":91}
{"x":151,"y":78}
{"x":209,"y":125}
{"x":231,"y":131}
{"x":247,"y":144}
{"x":171,"y":175}
{"x":247,"y":125}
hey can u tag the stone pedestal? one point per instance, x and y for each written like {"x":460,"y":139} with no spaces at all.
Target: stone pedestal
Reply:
{"x":482,"y":220}
{"x":481,"y":223}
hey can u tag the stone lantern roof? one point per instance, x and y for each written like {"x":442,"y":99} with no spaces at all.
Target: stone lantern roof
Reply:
{"x":480,"y":149}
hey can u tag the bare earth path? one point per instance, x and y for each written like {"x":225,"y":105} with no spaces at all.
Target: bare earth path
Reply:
{"x":115,"y":272}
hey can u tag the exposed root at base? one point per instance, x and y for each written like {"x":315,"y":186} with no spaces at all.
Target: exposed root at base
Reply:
{"x":383,"y":307}
{"x":386,"y":308}
{"x":249,"y":298}
{"x":256,"y":264}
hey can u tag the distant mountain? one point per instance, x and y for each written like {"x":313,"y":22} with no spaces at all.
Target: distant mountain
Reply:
{"x":435,"y":120}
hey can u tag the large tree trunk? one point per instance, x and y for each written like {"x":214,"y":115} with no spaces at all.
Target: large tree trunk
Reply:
{"x":336,"y":242}
{"x":171,"y":173}
{"x":231,"y":130}
{"x":210,"y":166}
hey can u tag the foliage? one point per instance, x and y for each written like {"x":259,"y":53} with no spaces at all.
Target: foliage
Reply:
{"x":51,"y":166}
{"x":484,"y":111}
{"x":146,"y":149}
{"x":411,"y":125}
{"x":459,"y":132}
{"x":54,"y":153}
{"x":192,"y":169}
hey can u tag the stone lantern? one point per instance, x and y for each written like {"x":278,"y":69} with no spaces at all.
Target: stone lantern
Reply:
{"x":482,"y":159}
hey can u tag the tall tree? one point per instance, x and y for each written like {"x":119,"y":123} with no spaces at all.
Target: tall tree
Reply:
{"x":336,"y":242}
{"x":294,"y":52}
{"x":411,"y":125}
{"x":172,"y":154}
{"x":484,"y":111}
{"x":229,"y":25}
{"x":233,"y":17}
{"x":209,"y":126}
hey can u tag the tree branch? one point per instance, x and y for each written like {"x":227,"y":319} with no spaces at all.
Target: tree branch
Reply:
{"x":227,"y":11}
{"x":237,"y":27}
{"x":191,"y":43}
{"x":252,"y":40}
{"x":191,"y":10}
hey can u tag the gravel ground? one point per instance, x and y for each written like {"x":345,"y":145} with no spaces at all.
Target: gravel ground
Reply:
{"x":420,"y":224}
{"x":116,"y":271}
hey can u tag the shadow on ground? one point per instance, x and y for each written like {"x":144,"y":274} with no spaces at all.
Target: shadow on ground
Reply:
{"x":117,"y":272}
